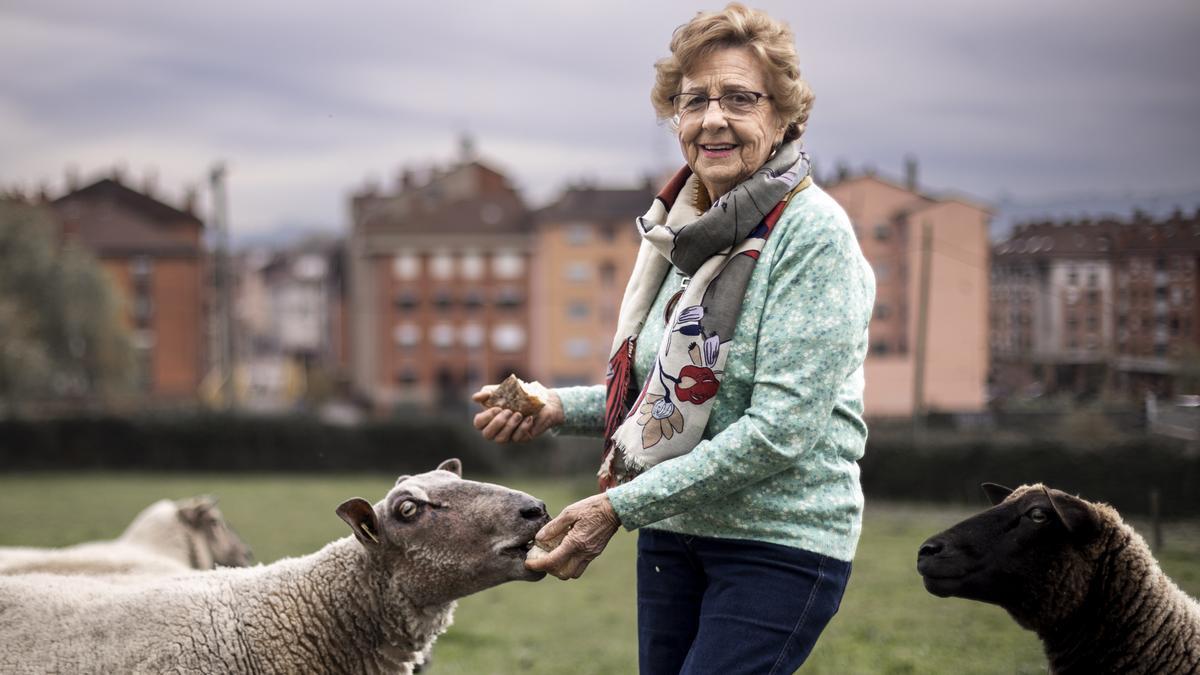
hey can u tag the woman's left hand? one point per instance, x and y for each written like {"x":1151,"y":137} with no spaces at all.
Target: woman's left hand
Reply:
{"x":587,"y":524}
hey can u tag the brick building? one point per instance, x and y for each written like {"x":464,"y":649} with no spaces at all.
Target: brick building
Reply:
{"x":439,"y":281}
{"x":1085,"y":306}
{"x":155,"y":255}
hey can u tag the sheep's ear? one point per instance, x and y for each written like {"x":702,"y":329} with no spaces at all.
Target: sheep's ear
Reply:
{"x":360,"y":516}
{"x":1076,"y":515}
{"x":192,"y":511}
{"x":995,"y":493}
{"x":453,"y":466}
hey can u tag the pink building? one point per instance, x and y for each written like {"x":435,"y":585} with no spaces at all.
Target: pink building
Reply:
{"x":929,"y":332}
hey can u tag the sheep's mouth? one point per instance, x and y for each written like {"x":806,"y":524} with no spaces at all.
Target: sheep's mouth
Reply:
{"x":519,"y":550}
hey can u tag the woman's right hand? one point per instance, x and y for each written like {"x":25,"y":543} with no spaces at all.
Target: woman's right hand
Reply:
{"x":506,"y":426}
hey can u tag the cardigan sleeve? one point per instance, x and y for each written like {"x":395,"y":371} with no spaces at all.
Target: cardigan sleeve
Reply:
{"x":811,"y":338}
{"x":583,"y":410}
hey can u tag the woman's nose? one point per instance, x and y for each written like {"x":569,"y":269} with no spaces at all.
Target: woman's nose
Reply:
{"x":714,"y":116}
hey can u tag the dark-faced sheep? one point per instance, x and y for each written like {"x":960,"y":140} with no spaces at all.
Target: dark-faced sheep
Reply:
{"x":1074,"y":573}
{"x":371,"y":603}
{"x":166,"y":537}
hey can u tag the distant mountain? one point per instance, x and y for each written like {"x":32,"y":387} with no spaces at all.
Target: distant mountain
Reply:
{"x":1009,"y":212}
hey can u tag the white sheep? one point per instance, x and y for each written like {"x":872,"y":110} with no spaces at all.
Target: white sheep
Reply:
{"x":372,"y":603}
{"x":1072,"y":571}
{"x":167,"y":536}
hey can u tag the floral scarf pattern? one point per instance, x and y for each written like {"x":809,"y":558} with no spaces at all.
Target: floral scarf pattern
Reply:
{"x":665,"y":416}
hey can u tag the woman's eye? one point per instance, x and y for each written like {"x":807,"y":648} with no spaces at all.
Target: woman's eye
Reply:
{"x":740,"y":98}
{"x":408,"y":509}
{"x":1037,"y":515}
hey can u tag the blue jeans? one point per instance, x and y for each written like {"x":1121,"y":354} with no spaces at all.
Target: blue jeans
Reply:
{"x":730,"y":606}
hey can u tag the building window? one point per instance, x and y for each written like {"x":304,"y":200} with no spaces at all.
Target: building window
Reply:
{"x":882,"y":232}
{"x":142,"y":266}
{"x":443,"y":300}
{"x":608,"y":231}
{"x":406,"y":266}
{"x":578,"y":311}
{"x":579,"y":272}
{"x":472,"y":335}
{"x":473,"y":299}
{"x":577,"y":348}
{"x":442,"y":335}
{"x":407,"y":334}
{"x":608,"y":273}
{"x":508,"y":337}
{"x":508,"y":265}
{"x":509,"y":298}
{"x":407,"y":377}
{"x":470,"y":266}
{"x":579,"y":234}
{"x":406,"y":300}
{"x":441,"y":266}
{"x":1072,"y":276}
{"x":879,"y":348}
{"x":882,"y":311}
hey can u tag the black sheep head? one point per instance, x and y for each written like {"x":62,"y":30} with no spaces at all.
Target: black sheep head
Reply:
{"x":1032,"y":553}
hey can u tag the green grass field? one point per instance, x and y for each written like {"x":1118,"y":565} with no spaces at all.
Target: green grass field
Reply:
{"x":887,"y":624}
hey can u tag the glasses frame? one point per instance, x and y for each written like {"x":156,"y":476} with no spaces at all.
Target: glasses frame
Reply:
{"x":678,"y":117}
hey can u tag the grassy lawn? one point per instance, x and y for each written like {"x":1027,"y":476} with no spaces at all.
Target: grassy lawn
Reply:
{"x":887,"y":624}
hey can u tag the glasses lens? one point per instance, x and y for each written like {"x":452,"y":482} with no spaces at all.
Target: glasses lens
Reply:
{"x":689,"y":103}
{"x":739,"y":102}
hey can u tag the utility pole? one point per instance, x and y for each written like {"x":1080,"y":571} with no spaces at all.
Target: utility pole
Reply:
{"x":223,"y":283}
{"x":922,"y":330}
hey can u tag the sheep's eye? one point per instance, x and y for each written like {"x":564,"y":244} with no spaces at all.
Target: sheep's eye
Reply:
{"x":1037,"y":515}
{"x":407,"y":509}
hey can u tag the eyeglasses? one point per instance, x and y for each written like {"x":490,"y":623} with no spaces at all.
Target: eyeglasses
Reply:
{"x":734,"y":103}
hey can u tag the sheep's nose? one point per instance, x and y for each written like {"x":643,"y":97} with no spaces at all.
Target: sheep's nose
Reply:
{"x":535,"y":511}
{"x":930,"y":547}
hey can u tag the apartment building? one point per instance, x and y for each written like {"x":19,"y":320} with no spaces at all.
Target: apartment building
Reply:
{"x":439,"y":281}
{"x":584,"y":249}
{"x":1087,"y":306}
{"x":155,"y":255}
{"x":929,"y":330}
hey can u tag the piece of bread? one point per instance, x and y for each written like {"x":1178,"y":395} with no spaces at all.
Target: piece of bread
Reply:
{"x":527,"y":398}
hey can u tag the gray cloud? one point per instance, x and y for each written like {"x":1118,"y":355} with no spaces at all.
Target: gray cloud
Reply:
{"x":305,"y":100}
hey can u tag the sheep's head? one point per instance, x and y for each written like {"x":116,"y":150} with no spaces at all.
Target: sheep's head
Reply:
{"x":213,"y":541}
{"x":1031,"y":553}
{"x":446,"y":537}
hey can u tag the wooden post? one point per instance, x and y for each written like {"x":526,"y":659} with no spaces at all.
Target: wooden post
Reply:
{"x":1156,"y":542}
{"x":922,"y":331}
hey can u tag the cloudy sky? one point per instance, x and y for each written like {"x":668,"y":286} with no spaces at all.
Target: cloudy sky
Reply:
{"x":1021,"y":100}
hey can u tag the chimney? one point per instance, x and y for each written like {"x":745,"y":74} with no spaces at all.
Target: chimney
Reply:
{"x":910,"y":172}
{"x":190,"y":195}
{"x":466,"y":148}
{"x":72,"y":175}
{"x":843,"y":172}
{"x":118,"y":174}
{"x":150,"y":182}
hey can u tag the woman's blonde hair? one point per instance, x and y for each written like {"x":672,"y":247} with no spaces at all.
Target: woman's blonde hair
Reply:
{"x":769,"y":40}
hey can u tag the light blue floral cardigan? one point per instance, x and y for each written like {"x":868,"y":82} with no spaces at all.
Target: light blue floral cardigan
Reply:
{"x":778,"y":462}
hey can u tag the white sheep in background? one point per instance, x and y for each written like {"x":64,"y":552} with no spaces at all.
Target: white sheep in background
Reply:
{"x":1072,"y":571}
{"x":167,"y":536}
{"x":372,"y":603}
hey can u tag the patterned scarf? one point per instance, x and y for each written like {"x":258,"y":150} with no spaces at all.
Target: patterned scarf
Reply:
{"x":716,"y":252}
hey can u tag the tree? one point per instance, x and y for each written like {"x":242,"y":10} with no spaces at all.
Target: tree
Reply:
{"x":62,"y":335}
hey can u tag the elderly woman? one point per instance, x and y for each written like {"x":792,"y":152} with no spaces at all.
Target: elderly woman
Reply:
{"x":732,"y":412}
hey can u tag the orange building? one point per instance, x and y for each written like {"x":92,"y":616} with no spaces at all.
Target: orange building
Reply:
{"x":584,"y":251}
{"x":155,"y":255}
{"x":439,"y":276}
{"x":929,"y":331}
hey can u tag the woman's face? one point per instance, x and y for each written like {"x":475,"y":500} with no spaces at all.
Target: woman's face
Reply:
{"x":723,"y":149}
